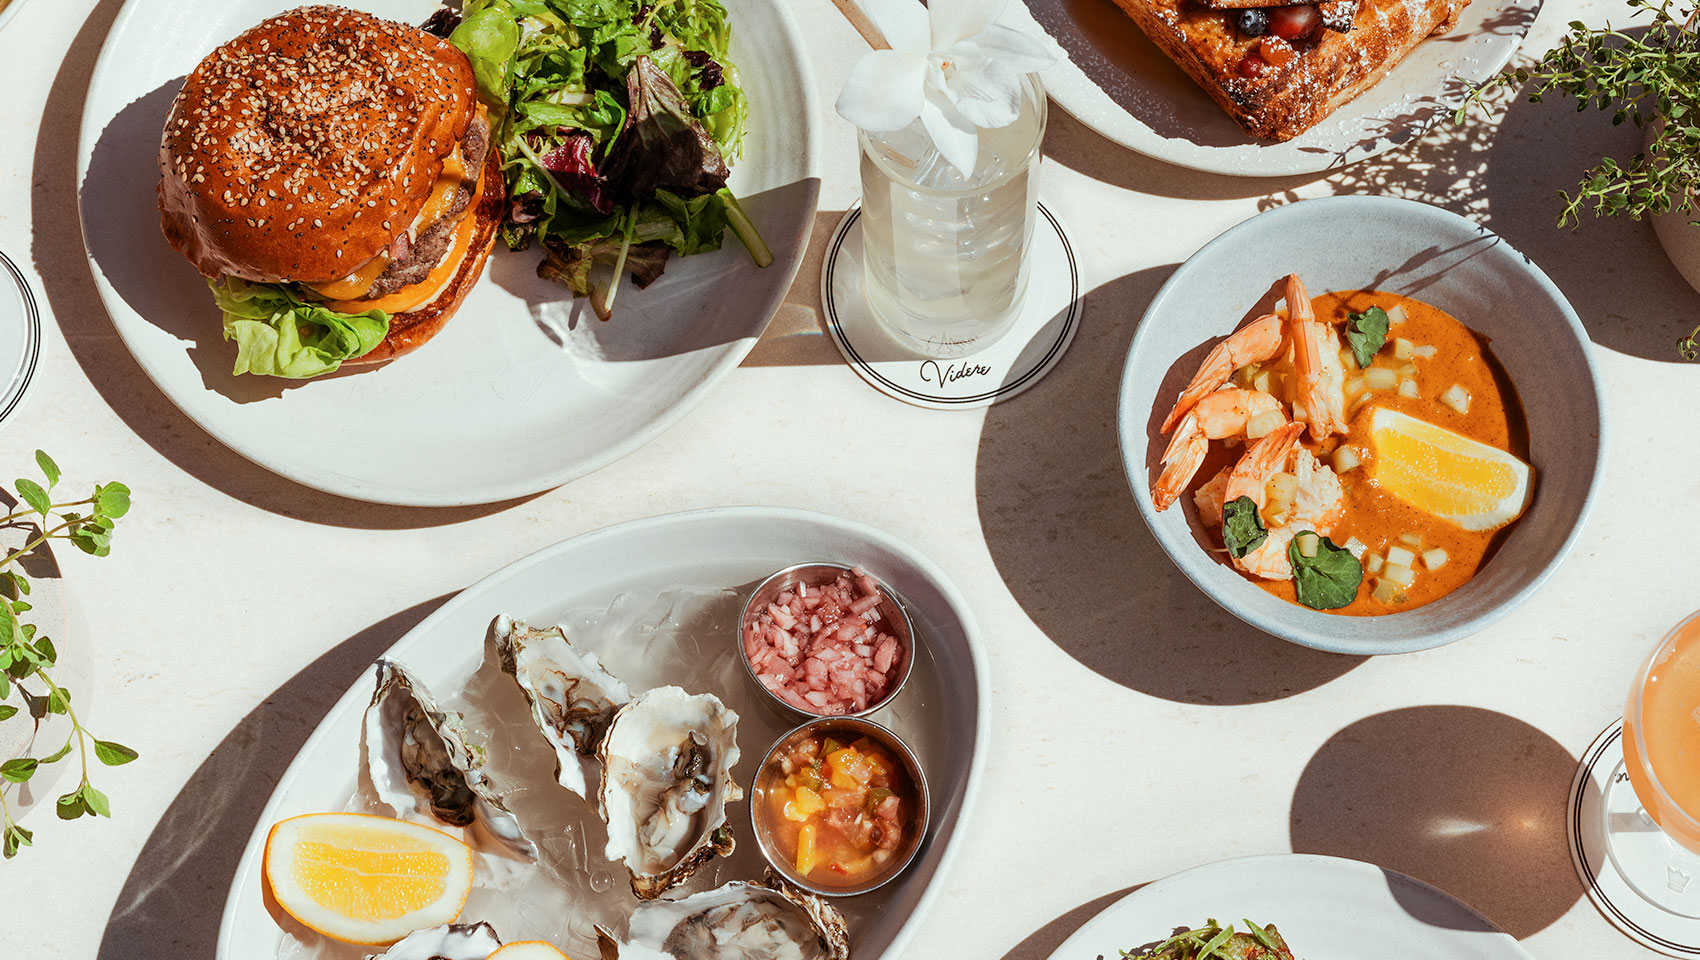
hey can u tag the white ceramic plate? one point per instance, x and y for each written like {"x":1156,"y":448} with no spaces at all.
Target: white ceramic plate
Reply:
{"x":941,"y":711}
{"x":523,"y":390}
{"x":1326,"y":908}
{"x":1117,"y":82}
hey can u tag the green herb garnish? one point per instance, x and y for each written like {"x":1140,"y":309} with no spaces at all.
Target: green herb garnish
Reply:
{"x":1366,"y":332}
{"x":1329,"y":580}
{"x":1215,"y":942}
{"x":26,"y":660}
{"x":1242,"y":528}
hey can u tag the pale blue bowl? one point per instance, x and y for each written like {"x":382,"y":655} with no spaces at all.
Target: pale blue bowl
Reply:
{"x":1341,"y":243}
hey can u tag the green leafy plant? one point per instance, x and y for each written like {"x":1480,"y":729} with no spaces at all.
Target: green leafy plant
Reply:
{"x":1653,"y":77}
{"x":27,"y":659}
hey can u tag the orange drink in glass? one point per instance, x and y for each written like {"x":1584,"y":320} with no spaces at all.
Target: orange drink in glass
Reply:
{"x":1661,"y":735}
{"x":1653,"y":830}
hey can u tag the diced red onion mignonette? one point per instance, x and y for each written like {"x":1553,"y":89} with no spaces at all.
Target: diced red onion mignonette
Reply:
{"x":819,"y":648}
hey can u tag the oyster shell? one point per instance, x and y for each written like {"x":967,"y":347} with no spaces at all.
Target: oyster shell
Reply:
{"x":771,"y":920}
{"x":451,"y":941}
{"x":421,"y":761}
{"x":666,"y":780}
{"x":572,"y":697}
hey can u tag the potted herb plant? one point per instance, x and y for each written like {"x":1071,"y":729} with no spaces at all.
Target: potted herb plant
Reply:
{"x":1651,"y":78}
{"x":39,"y":723}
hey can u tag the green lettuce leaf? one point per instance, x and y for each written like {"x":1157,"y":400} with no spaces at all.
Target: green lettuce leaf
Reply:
{"x":279,"y":334}
{"x":489,"y":36}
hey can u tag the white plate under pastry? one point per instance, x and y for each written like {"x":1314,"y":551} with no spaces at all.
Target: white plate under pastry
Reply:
{"x":523,"y":389}
{"x":1326,"y":908}
{"x":1116,"y":81}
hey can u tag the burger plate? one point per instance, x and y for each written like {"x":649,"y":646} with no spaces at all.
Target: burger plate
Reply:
{"x":524,"y":389}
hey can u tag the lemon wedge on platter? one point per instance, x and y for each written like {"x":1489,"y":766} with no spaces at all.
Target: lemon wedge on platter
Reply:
{"x":365,"y":879}
{"x":529,"y":950}
{"x":1476,"y":486}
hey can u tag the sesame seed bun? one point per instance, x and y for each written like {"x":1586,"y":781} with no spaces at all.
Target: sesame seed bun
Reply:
{"x":411,"y":329}
{"x":301,"y":149}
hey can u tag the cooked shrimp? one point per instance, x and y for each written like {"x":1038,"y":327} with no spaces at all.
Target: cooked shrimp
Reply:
{"x":1319,"y":396}
{"x":1219,"y":415}
{"x":1318,"y":503}
{"x":1255,"y":342}
{"x":1208,"y":499}
{"x":1267,"y":457}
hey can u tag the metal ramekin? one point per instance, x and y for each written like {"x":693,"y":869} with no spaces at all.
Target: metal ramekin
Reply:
{"x":895,"y":620}
{"x":851,"y":728}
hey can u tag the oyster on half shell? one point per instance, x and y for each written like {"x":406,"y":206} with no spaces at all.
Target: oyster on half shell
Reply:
{"x":572,"y":697}
{"x":421,"y":760}
{"x":666,"y":780}
{"x":771,"y":920}
{"x":451,"y":941}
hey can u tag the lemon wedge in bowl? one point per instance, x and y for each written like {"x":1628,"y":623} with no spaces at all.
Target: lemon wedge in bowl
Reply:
{"x":365,"y":879}
{"x":1476,"y":486}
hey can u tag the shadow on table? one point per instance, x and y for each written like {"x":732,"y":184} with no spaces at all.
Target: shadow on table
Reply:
{"x":1469,"y":800}
{"x":1061,"y":525}
{"x":58,"y":254}
{"x":796,"y":336}
{"x":1504,"y":172}
{"x":173,"y":900}
{"x":1043,"y":942}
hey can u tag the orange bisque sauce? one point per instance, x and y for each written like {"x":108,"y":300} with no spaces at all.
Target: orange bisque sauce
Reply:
{"x":1376,"y":517}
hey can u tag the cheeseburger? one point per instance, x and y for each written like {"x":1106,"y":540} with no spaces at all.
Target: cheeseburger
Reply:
{"x":330,"y":174}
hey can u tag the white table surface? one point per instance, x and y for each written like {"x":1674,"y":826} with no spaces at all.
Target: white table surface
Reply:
{"x":1137,"y":729}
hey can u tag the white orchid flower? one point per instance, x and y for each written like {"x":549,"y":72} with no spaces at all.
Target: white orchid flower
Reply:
{"x":950,"y":64}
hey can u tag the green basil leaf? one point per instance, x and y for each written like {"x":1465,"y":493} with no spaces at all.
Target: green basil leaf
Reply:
{"x":1242,"y":528}
{"x":1329,"y":580}
{"x":1366,"y":332}
{"x":34,"y":496}
{"x":49,"y":469}
{"x":44,"y":648}
{"x":16,"y":837}
{"x":19,"y":769}
{"x":20,"y":582}
{"x":7,"y":712}
{"x":71,"y":806}
{"x":58,"y":754}
{"x":59,"y":700}
{"x":112,"y":500}
{"x":113,"y":754}
{"x":96,"y":801}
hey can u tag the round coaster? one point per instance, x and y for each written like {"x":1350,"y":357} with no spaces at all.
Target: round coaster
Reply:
{"x":20,"y":335}
{"x":1050,"y":315}
{"x":1643,"y":909}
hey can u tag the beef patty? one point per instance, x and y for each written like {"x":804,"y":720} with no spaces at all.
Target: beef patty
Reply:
{"x":433,"y":242}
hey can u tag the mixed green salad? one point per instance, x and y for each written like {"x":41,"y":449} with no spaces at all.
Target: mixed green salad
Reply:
{"x":1216,"y":942}
{"x":615,"y":120}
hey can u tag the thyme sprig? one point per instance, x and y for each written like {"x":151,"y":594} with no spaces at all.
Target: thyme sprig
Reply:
{"x":1648,"y":76}
{"x":27,"y":659}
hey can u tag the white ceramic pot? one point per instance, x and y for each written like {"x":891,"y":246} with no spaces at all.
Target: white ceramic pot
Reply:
{"x":1678,"y":234}
{"x":23,"y":734}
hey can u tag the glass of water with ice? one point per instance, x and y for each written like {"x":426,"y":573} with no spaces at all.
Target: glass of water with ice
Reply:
{"x":945,"y":257}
